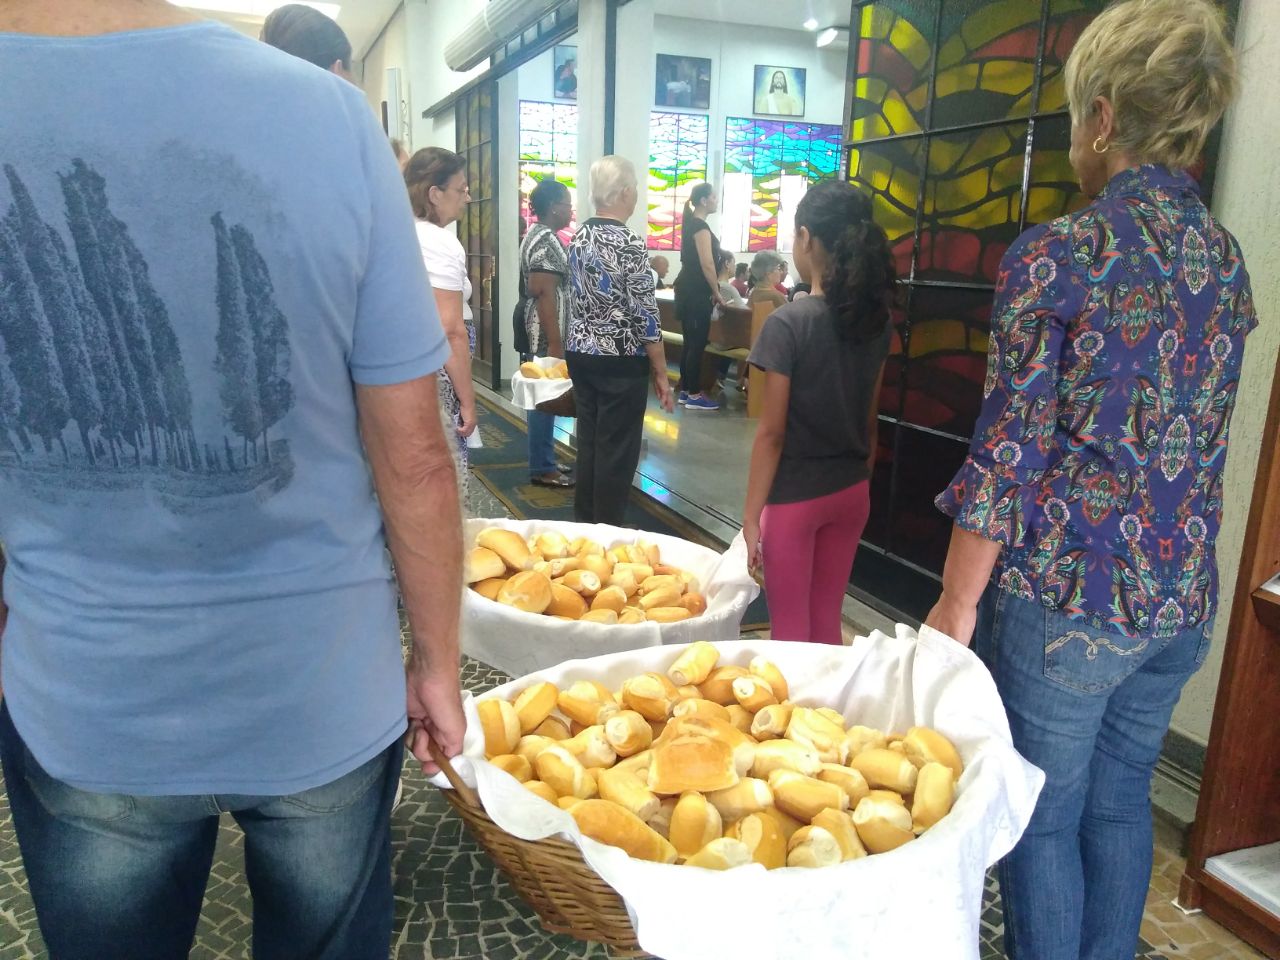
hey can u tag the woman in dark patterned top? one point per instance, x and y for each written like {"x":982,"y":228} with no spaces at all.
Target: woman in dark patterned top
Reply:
{"x":1086,"y":513}
{"x":614,"y":346}
{"x":544,"y":275}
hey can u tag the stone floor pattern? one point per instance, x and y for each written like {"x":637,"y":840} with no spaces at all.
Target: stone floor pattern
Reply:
{"x":452,"y":903}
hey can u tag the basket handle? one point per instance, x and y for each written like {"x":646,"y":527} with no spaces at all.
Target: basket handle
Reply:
{"x":455,"y":781}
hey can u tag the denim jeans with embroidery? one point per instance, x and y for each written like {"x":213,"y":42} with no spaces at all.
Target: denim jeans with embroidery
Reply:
{"x":122,"y":877}
{"x":1090,"y":709}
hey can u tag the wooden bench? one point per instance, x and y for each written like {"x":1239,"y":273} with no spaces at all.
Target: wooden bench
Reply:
{"x":733,"y":331}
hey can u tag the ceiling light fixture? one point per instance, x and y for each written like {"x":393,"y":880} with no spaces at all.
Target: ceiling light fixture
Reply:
{"x":828,"y":36}
{"x":254,"y":8}
{"x":811,"y":24}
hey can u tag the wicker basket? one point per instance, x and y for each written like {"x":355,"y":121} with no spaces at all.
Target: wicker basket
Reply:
{"x":550,"y":875}
{"x":562,"y":406}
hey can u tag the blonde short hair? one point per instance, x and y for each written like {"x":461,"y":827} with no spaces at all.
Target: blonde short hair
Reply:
{"x":610,"y":178}
{"x":1168,"y":69}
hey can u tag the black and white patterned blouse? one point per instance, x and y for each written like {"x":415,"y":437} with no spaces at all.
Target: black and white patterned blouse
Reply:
{"x":614,"y":313}
{"x":542,"y":252}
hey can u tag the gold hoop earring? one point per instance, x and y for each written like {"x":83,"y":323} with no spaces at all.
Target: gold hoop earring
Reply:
{"x":1105,"y":146}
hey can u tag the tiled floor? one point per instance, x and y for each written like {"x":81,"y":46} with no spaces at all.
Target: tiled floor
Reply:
{"x":451,"y":903}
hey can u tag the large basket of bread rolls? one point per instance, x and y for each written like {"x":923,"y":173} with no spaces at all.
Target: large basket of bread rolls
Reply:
{"x":543,"y":384}
{"x":751,"y":799}
{"x":543,"y":592}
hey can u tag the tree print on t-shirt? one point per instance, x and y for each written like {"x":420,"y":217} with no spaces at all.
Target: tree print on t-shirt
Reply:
{"x":94,"y":393}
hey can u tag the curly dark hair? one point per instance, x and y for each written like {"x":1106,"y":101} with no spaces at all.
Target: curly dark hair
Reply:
{"x":860,"y":282}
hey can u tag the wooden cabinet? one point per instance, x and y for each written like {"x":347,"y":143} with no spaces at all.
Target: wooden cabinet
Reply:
{"x":1240,"y":794}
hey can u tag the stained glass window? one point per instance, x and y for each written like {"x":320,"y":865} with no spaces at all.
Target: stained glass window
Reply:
{"x":958,"y":131}
{"x":769,"y":165}
{"x":677,"y":161}
{"x":548,"y":148}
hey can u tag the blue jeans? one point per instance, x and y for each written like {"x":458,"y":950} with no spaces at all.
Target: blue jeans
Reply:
{"x":542,"y":444}
{"x":121,"y":876}
{"x":1090,"y":709}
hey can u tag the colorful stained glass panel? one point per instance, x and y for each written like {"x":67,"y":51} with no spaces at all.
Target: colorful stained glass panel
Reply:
{"x":894,"y":59}
{"x":677,"y":161}
{"x":548,"y":148}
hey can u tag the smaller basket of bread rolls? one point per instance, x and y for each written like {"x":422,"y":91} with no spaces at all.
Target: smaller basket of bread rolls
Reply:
{"x":543,"y":384}
{"x":542,"y":592}
{"x":751,"y":798}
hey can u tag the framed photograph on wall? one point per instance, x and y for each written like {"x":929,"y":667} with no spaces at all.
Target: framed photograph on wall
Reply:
{"x":779,"y":91}
{"x":683,"y":82}
{"x":565,"y":83}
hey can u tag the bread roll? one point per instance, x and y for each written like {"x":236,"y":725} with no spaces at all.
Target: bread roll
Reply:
{"x":887,"y":796}
{"x":753,"y":693}
{"x":864,"y":738}
{"x":609,"y":598}
{"x":585,"y":547}
{"x":484,"y":564}
{"x":886,"y":768}
{"x":739,"y":716}
{"x":744,"y":748}
{"x":534,"y":704}
{"x":552,"y":727}
{"x":624,"y":581}
{"x":532,"y":371}
{"x":618,"y":553}
{"x":695,"y":603}
{"x":698,"y":707}
{"x":631,"y":616}
{"x":661,"y":821}
{"x":626,"y":789}
{"x":839,"y":824}
{"x":552,"y":545}
{"x":695,"y":662}
{"x":813,"y":729}
{"x":718,"y":687}
{"x":607,"y":617}
{"x":692,"y":762}
{"x":664,"y":596}
{"x":667,"y":614}
{"x":694,"y":824}
{"x":591,"y":747}
{"x":749,"y":795}
{"x":925,"y":745}
{"x":648,"y":696}
{"x":640,"y":572}
{"x":501,"y":727}
{"x":528,"y":591}
{"x":652,"y":552}
{"x":540,"y":789}
{"x":568,"y":803}
{"x":582,"y":581}
{"x":656,"y":580}
{"x":768,"y":671}
{"x":804,"y":797}
{"x":770,"y":722}
{"x":935,"y":792}
{"x":637,"y":763}
{"x":847,"y":779}
{"x":882,"y":826}
{"x":785,"y":755}
{"x":835,"y":716}
{"x":595,"y":564}
{"x":786,"y":823}
{"x":489,"y":589}
{"x":508,"y":545}
{"x":813,"y":847}
{"x":562,"y":771}
{"x":583,"y":703}
{"x":609,"y":823}
{"x":531,"y":745}
{"x":764,"y":838}
{"x":628,"y":733}
{"x":722,"y":854}
{"x":514,"y":764}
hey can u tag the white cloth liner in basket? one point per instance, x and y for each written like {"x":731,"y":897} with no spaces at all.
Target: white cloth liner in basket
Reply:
{"x":922,"y":900}
{"x":518,"y":642}
{"x":527,"y":392}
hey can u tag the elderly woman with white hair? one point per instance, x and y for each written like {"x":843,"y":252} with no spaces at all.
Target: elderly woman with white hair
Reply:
{"x":1082,"y":557}
{"x":614,"y":347}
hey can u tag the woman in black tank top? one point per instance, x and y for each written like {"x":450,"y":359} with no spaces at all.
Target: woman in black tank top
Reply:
{"x":697,"y":292}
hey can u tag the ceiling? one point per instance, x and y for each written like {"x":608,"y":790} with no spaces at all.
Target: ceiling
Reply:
{"x":362,"y":20}
{"x":780,"y":14}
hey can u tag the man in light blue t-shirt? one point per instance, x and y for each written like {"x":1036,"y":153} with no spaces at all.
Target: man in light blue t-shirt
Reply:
{"x":212,"y":306}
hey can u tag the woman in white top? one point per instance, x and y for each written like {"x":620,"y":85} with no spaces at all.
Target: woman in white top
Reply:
{"x":438,"y":191}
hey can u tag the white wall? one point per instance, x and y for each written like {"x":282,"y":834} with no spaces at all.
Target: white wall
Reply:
{"x":1247,"y":200}
{"x":431,"y":25}
{"x":391,"y":49}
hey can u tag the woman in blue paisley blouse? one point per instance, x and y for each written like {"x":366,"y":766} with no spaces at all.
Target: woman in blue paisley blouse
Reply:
{"x":1082,"y":556}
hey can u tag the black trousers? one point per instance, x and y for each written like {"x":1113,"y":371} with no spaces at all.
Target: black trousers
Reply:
{"x":610,"y":425}
{"x":694,"y":313}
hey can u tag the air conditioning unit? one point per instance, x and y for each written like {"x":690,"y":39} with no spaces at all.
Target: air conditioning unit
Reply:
{"x":500,"y":21}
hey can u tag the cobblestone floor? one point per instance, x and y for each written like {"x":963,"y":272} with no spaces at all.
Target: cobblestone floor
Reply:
{"x":451,"y":902}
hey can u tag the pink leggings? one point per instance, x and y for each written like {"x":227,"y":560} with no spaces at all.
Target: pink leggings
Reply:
{"x":808,"y":550}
